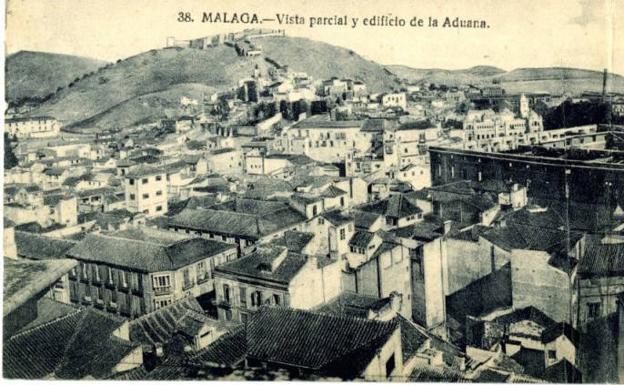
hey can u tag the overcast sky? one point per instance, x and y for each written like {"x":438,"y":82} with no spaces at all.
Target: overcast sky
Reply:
{"x":572,"y":33}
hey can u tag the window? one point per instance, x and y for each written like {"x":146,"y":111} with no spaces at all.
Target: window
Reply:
{"x":314,"y":210}
{"x":390,"y":365}
{"x":187,"y":277}
{"x":161,"y":281}
{"x":342,"y":201}
{"x":131,"y":181}
{"x":201,"y":271}
{"x":552,"y":355}
{"x":158,"y":177}
{"x":132,"y":197}
{"x":277,"y":299}
{"x":342,"y":234}
{"x":158,"y":208}
{"x":144,"y":180}
{"x":145,"y":196}
{"x":226,"y":293}
{"x":243,"y":317}
{"x":593,"y":310}
{"x":85,"y":273}
{"x":110,"y":276}
{"x":256,"y":298}
{"x":158,"y":193}
{"x":321,"y":221}
{"x":243,"y":297}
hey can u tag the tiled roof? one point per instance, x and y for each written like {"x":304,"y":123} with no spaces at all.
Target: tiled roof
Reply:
{"x":602,"y":259}
{"x":259,"y":265}
{"x":76,"y":346}
{"x":49,"y":310}
{"x":365,"y":220}
{"x":526,"y":230}
{"x":227,"y":351}
{"x":528,"y":313}
{"x":361,"y":239}
{"x":337,"y":218}
{"x":144,"y":170}
{"x":559,"y":329}
{"x":23,"y":279}
{"x":160,"y":325}
{"x":107,"y":218}
{"x":353,"y":305}
{"x":250,"y":223}
{"x":294,"y":241}
{"x":333,"y":192}
{"x":426,"y":230}
{"x":35,"y":246}
{"x":304,"y":336}
{"x":563,"y":372}
{"x":395,"y":206}
{"x":146,"y":253}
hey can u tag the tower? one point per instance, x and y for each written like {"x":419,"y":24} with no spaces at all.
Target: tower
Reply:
{"x":524,"y":106}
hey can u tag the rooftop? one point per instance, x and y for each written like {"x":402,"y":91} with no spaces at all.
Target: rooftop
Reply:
{"x":304,"y":337}
{"x":75,"y":346}
{"x":275,"y":264}
{"x":145,"y":249}
{"x":35,"y":246}
{"x":23,"y":279}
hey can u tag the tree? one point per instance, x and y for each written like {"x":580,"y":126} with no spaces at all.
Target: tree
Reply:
{"x":10,"y":160}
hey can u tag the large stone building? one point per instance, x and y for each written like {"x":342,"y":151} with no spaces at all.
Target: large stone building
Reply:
{"x":33,"y":127}
{"x":132,"y":272}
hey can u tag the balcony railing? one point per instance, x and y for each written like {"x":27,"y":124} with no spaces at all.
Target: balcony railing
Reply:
{"x":163,"y":290}
{"x":188,"y":285}
{"x":203,"y":279}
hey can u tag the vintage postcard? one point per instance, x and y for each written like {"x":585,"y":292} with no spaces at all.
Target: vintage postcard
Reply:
{"x":408,"y":191}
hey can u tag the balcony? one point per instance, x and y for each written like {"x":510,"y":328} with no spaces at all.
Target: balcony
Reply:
{"x":163,"y":290}
{"x":109,"y":284}
{"x":86,"y":300}
{"x":124,"y":288}
{"x":203,"y":279}
{"x":99,"y":303}
{"x":112,"y":307}
{"x":188,"y":285}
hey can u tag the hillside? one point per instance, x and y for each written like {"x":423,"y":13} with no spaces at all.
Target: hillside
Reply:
{"x":555,"y":80}
{"x":442,"y":76}
{"x":148,"y":86}
{"x":322,"y":61}
{"x":37,"y":74}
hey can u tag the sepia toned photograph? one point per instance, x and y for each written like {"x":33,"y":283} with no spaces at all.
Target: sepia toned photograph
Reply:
{"x":410,"y":191}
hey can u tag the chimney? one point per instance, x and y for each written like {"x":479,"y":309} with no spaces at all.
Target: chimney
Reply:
{"x":447,"y":227}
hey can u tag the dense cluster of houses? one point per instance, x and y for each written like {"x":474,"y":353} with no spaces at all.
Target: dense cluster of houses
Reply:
{"x":308,"y":242}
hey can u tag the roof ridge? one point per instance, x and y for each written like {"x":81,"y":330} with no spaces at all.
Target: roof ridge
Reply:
{"x":71,"y":340}
{"x":47,"y":323}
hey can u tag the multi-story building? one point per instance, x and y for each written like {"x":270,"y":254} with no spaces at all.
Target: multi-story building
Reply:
{"x":243,"y":222}
{"x":274,"y":276}
{"x":146,"y":190}
{"x":490,"y":131}
{"x":325,"y":140}
{"x":134,"y":271}
{"x":378,"y":268}
{"x":33,"y":127}
{"x":226,"y":161}
{"x":398,"y":99}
